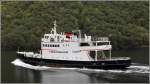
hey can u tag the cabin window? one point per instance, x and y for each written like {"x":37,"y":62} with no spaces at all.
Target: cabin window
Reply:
{"x":57,"y":45}
{"x":58,"y":38}
{"x":46,"y":37}
{"x":52,"y":39}
{"x":103,"y":43}
{"x":67,"y":44}
{"x":49,"y":45}
{"x":62,"y":40}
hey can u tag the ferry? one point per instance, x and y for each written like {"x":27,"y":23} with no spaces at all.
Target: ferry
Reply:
{"x":73,"y":50}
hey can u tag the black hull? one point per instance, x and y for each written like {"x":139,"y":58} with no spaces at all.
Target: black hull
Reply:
{"x":103,"y":64}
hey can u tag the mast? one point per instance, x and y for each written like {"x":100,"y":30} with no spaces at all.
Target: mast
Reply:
{"x":55,"y":25}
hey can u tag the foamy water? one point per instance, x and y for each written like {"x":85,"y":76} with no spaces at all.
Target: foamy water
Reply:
{"x":131,"y":69}
{"x":18,"y":62}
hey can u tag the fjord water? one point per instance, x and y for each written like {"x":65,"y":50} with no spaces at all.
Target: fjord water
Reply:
{"x":16,"y":71}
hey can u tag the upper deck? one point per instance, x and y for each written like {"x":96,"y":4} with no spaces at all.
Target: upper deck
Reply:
{"x":74,"y":36}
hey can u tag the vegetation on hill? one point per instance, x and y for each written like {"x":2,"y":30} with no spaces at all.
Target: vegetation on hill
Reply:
{"x":23,"y":23}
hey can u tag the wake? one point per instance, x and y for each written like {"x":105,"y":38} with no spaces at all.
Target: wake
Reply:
{"x":131,"y":69}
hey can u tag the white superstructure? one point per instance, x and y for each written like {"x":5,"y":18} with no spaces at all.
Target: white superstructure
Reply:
{"x":69,"y":46}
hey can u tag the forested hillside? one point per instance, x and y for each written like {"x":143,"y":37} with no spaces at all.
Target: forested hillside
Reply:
{"x":24,"y":23}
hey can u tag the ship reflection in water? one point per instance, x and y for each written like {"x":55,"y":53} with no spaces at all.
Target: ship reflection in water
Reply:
{"x":23,"y":75}
{"x":42,"y":74}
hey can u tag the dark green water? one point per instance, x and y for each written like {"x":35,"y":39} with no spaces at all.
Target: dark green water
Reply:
{"x":137,"y":73}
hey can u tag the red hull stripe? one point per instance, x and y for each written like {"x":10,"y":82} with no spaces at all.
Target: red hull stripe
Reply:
{"x":81,"y":50}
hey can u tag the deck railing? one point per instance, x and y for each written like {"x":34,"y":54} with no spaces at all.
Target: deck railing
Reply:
{"x":100,"y":39}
